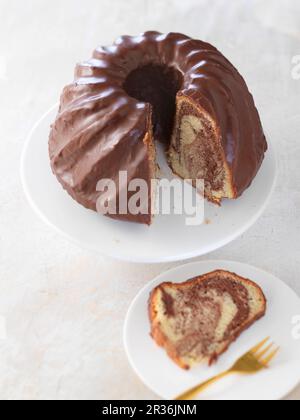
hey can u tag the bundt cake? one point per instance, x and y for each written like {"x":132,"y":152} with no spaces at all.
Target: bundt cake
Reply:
{"x":196,"y":321}
{"x":170,"y":88}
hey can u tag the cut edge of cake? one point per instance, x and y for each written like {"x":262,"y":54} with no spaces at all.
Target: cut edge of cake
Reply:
{"x":184,"y":127}
{"x":192,"y":128}
{"x":149,"y":143}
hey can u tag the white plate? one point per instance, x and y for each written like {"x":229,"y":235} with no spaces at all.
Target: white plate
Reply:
{"x":168,"y":239}
{"x":167,"y":380}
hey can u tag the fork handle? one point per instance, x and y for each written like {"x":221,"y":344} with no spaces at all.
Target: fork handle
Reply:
{"x":192,"y":393}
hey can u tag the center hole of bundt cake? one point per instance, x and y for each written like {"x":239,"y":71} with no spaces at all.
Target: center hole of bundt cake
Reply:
{"x":157,"y":85}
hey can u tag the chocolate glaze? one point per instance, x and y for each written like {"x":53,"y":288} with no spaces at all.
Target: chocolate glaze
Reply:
{"x":106,"y":112}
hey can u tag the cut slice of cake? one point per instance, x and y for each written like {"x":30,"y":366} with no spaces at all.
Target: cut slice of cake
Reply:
{"x":196,"y":321}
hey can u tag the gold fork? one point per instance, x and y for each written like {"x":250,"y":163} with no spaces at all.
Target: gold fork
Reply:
{"x":254,"y":361}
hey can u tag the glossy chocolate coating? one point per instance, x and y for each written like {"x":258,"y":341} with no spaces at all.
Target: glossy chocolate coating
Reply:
{"x":105,"y":113}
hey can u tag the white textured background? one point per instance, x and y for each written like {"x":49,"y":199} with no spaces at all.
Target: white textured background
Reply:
{"x":64,"y":307}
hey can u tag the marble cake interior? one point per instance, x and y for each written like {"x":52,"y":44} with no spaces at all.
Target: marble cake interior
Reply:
{"x":201,"y":319}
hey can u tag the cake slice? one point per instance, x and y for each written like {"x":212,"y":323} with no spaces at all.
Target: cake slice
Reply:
{"x":196,"y":321}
